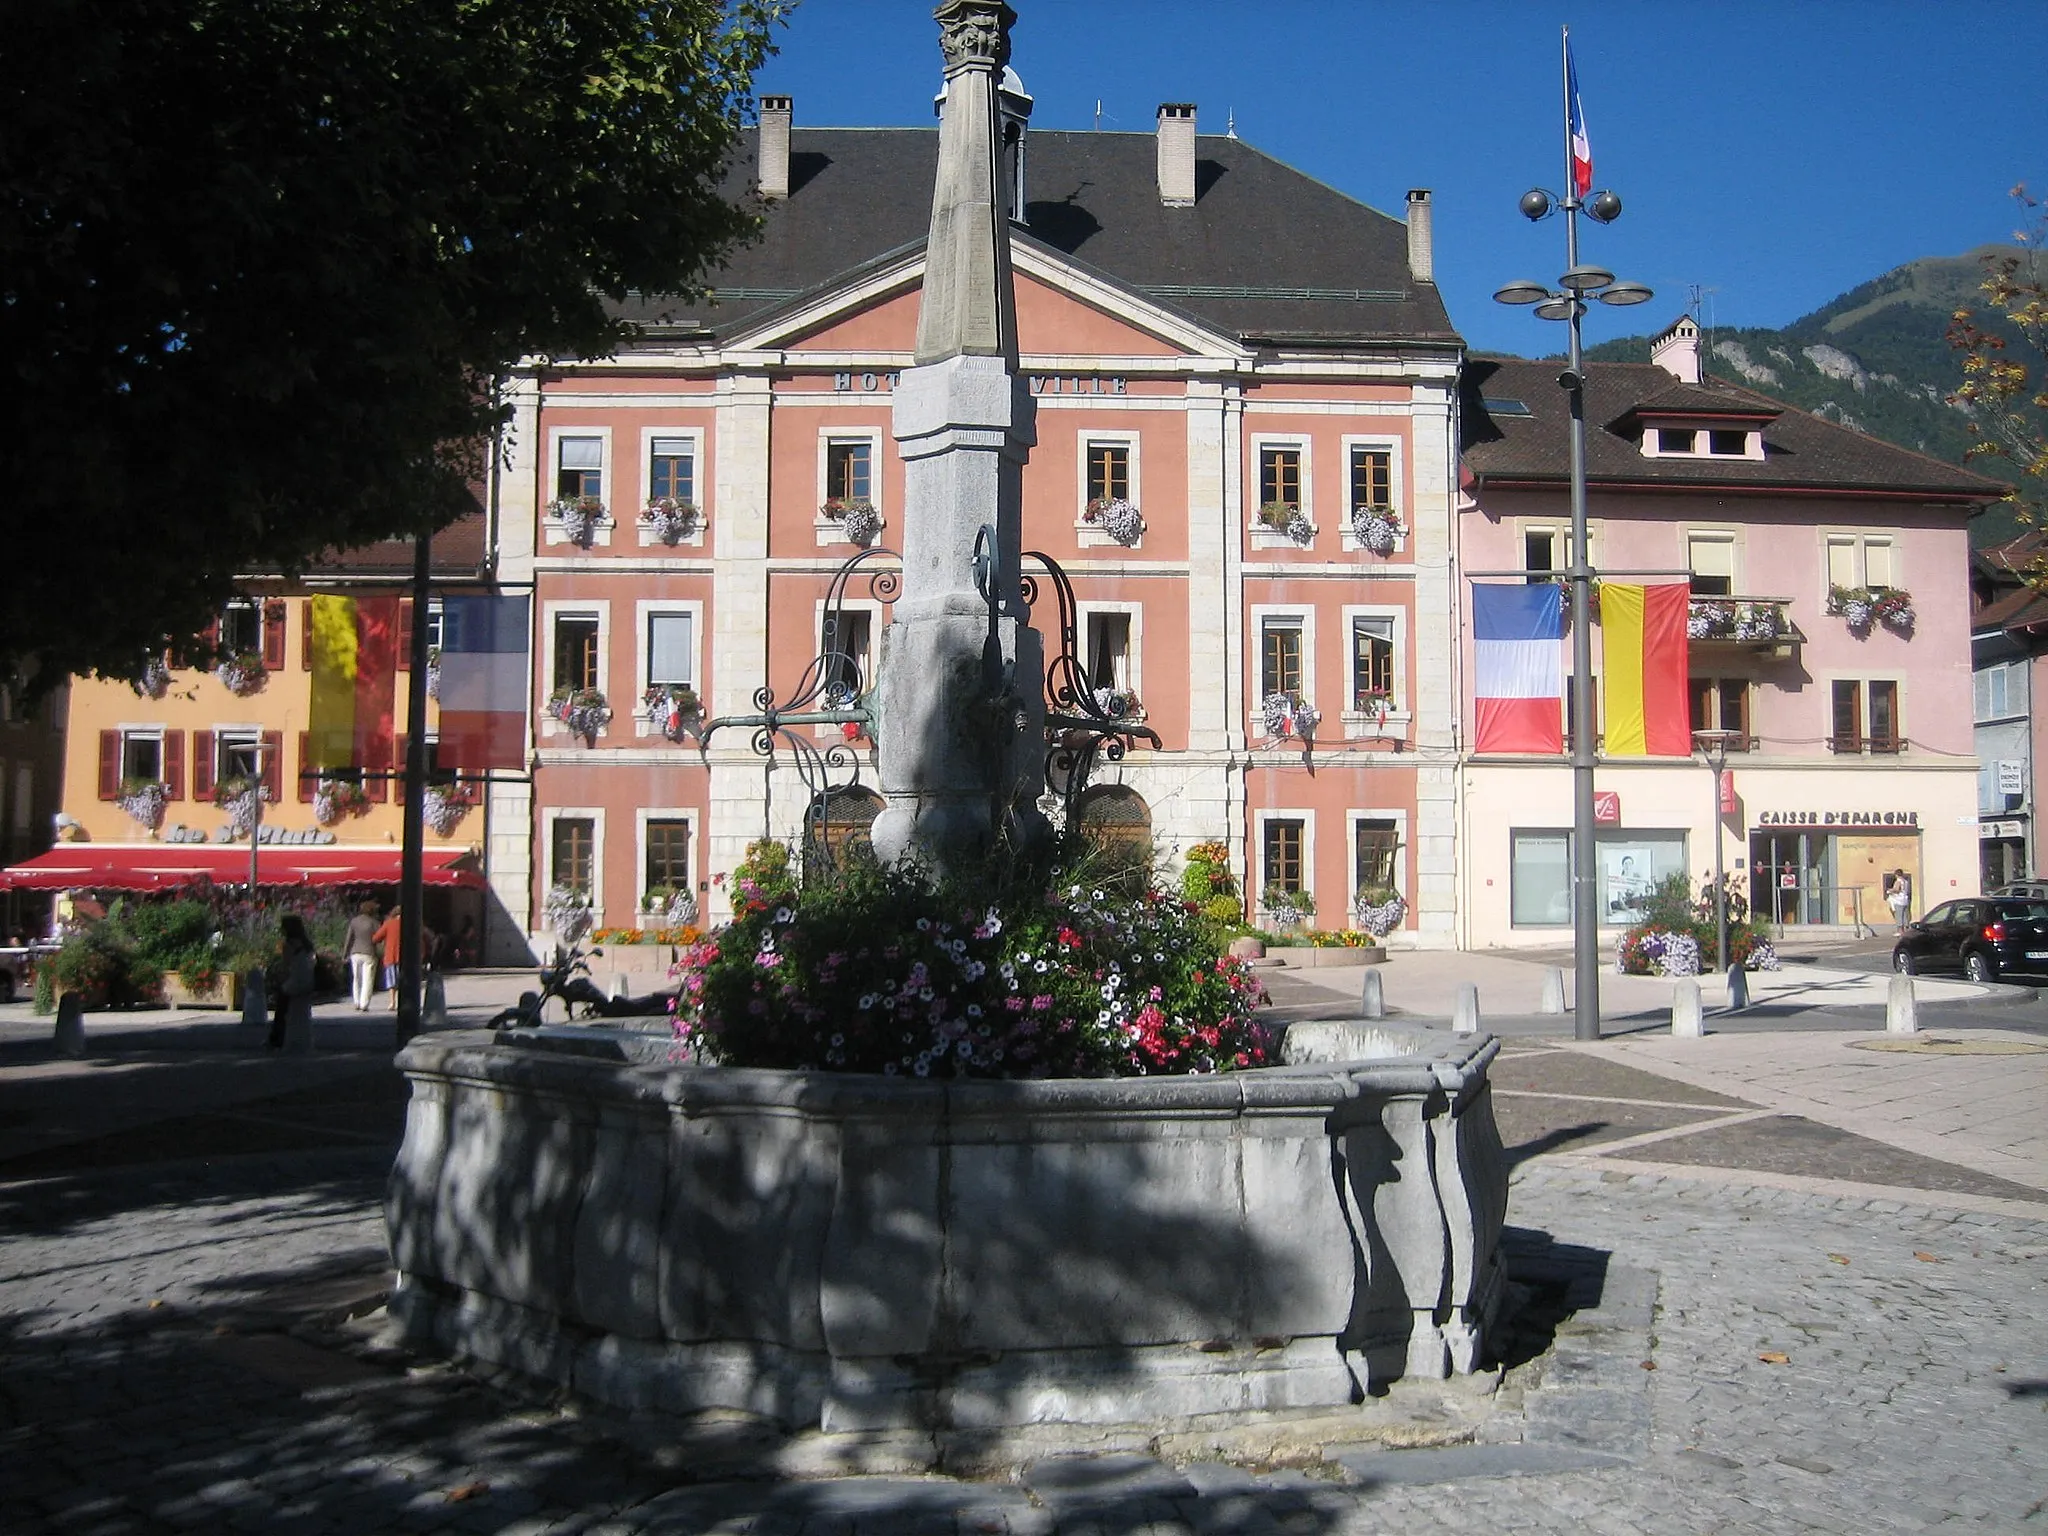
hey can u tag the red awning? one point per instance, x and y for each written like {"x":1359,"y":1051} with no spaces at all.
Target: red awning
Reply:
{"x":166,"y":866}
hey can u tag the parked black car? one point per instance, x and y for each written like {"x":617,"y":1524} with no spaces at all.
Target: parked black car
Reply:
{"x":1984,"y":937}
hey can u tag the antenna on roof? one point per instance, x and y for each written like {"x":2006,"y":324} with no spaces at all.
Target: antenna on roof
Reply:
{"x":1098,"y":114}
{"x":1230,"y":131}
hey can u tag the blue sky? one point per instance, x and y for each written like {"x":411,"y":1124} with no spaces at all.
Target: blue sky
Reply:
{"x":1775,"y":154}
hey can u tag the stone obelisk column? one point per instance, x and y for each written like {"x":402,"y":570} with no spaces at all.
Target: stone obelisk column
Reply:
{"x":962,"y":693}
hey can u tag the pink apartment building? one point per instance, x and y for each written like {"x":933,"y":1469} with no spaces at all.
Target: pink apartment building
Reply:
{"x":1241,"y":354}
{"x":1849,"y":728}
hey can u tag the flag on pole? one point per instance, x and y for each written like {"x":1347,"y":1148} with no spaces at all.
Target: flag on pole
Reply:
{"x":1643,"y":673}
{"x":1575,"y":122}
{"x":355,"y":675}
{"x":1517,"y":675}
{"x":483,"y":682}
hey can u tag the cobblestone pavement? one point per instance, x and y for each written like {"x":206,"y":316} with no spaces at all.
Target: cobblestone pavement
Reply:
{"x":1700,"y":1349}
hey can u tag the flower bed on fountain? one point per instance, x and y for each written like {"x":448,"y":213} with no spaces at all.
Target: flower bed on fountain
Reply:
{"x":861,"y":1219}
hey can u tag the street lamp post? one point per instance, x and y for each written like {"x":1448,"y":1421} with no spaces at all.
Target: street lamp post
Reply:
{"x":1567,"y":302}
{"x":1713,"y":746}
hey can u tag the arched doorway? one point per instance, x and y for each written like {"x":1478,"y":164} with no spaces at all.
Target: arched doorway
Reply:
{"x":1116,"y":825}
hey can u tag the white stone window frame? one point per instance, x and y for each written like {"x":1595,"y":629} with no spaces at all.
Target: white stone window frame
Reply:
{"x":877,"y":618}
{"x":1134,"y":661}
{"x":1352,"y":818}
{"x":1561,"y":530}
{"x":830,"y":530}
{"x":1255,"y":901}
{"x":1724,"y":535}
{"x":553,"y":532}
{"x":1396,"y":486}
{"x":1398,"y":712}
{"x":1263,"y":537}
{"x":595,"y":816}
{"x":576,"y":608}
{"x":237,"y":734}
{"x":688,"y":814}
{"x":1303,"y":617}
{"x":694,"y":539}
{"x":145,"y":732}
{"x":1862,"y":541}
{"x":643,"y":610}
{"x":1087,"y":534}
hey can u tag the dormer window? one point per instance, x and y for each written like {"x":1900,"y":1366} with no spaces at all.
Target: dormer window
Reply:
{"x":1677,"y":440}
{"x":1702,"y":443}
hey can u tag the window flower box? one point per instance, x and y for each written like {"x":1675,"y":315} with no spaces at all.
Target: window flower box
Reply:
{"x":1287,"y":518}
{"x":857,"y":516}
{"x":1288,"y":714}
{"x":566,"y":911}
{"x":239,"y":795}
{"x":671,"y":519}
{"x":334,"y":799}
{"x":1378,"y":910}
{"x":579,"y":517}
{"x":672,"y":709}
{"x":1377,"y":529}
{"x":584,"y":711}
{"x":1116,"y":517}
{"x":143,"y":799}
{"x":1861,"y":607}
{"x":1287,"y":909}
{"x":241,"y":674}
{"x":444,"y":806}
{"x":672,"y":907}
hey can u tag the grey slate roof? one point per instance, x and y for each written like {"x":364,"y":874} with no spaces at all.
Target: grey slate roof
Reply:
{"x":1265,"y":254}
{"x":1802,"y":452}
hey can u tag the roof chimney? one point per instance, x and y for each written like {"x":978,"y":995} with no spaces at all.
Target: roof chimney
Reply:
{"x":1677,"y":351}
{"x":1177,"y":154}
{"x":1421,"y":242}
{"x":775,"y":115}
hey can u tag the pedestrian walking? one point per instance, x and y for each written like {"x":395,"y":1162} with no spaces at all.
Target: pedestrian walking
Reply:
{"x":297,"y":978}
{"x":361,"y":949}
{"x":1898,"y":895}
{"x":388,"y":935}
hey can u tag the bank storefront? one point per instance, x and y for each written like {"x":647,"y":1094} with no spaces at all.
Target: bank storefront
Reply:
{"x":1809,"y":848}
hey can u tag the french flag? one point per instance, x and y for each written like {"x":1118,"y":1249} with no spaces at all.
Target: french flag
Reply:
{"x":484,"y":682}
{"x":1517,"y":673}
{"x":1575,"y":123}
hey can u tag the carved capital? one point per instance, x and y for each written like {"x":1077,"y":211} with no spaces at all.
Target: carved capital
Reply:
{"x":975,"y":33}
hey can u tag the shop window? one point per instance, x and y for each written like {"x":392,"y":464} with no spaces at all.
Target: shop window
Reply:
{"x":572,"y":852}
{"x":575,"y":650}
{"x":668,"y":855}
{"x":1282,"y":854}
{"x":579,"y":467}
{"x":1722,"y":704}
{"x":1628,"y":867}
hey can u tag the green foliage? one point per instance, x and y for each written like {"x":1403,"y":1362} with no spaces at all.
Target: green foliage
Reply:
{"x":46,"y":989}
{"x":319,"y":233}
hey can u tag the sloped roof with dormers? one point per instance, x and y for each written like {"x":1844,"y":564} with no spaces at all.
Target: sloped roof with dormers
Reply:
{"x":1266,"y":255}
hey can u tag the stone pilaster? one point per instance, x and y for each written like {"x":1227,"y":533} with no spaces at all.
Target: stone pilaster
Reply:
{"x":736,"y":658}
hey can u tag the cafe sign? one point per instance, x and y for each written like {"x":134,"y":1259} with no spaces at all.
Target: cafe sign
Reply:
{"x":1838,"y":818}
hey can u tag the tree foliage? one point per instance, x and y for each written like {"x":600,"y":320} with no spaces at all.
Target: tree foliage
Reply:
{"x":262,"y":260}
{"x":2004,"y":386}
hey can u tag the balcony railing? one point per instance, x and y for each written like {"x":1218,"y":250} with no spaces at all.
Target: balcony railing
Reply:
{"x":1743,"y":623}
{"x":1852,"y":744}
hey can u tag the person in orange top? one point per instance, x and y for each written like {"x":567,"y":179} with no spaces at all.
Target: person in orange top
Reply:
{"x":387,"y":934}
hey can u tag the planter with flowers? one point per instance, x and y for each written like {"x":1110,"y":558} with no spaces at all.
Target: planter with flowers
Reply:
{"x":582,"y":711}
{"x":1288,"y":714}
{"x":1287,"y":909}
{"x":672,"y":709}
{"x":154,"y":680}
{"x":856,"y":516}
{"x":1861,"y":607}
{"x":1564,"y":596}
{"x":1116,"y":517}
{"x":579,"y":517}
{"x":1378,"y":910}
{"x":1288,"y":518}
{"x":334,"y":799}
{"x":1377,"y":529}
{"x":670,"y":906}
{"x":444,"y":806}
{"x":433,"y":672}
{"x":239,"y":795}
{"x":1120,"y":704}
{"x":566,"y":910}
{"x":143,"y":799}
{"x":671,"y":519}
{"x":241,"y":674}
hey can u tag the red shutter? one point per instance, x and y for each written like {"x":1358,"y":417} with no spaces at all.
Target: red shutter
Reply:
{"x":273,"y":764}
{"x":202,"y":765}
{"x":273,"y":634}
{"x":306,"y":780}
{"x":405,"y":634}
{"x":110,"y":765}
{"x":306,"y":635}
{"x":174,"y":765}
{"x":211,"y":634}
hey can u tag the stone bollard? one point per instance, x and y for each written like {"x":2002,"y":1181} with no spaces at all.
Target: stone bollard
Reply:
{"x":1686,"y":1022}
{"x":1465,"y":1020}
{"x":298,"y":1026}
{"x":1901,"y":1008}
{"x":255,"y":1002}
{"x":70,"y":1025}
{"x":1552,"y":1000}
{"x":1738,"y":987}
{"x":434,"y":1004}
{"x":1373,"y":1003}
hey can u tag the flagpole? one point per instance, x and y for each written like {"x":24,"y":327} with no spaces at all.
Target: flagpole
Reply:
{"x":1585,"y":861}
{"x":412,"y":860}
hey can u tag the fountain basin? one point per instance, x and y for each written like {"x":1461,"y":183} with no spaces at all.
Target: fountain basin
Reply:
{"x":841,"y":1252}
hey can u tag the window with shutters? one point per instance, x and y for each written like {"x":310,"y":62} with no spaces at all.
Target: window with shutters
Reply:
{"x":142,"y":756}
{"x":241,"y":628}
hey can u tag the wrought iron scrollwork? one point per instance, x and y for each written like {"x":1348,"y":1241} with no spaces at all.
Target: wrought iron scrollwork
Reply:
{"x":833,"y":689}
{"x":1084,"y":725}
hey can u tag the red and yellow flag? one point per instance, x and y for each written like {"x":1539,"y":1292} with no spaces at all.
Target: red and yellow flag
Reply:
{"x":355,"y":678}
{"x":1643,"y":649}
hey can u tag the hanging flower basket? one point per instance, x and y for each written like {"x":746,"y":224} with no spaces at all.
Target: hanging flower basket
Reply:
{"x":433,"y":672}
{"x":672,"y":709}
{"x":1379,"y":910}
{"x":1373,"y":703}
{"x":334,"y":799}
{"x":1285,"y":517}
{"x":1377,"y":528}
{"x":1861,"y":607}
{"x":578,"y":515}
{"x":1287,"y":715}
{"x":154,"y":680}
{"x":676,"y":908}
{"x":239,"y":795}
{"x":856,"y":515}
{"x":444,"y":806}
{"x":1117,"y":518}
{"x":1564,"y":594}
{"x":241,"y":674}
{"x":567,"y":911}
{"x":1287,"y":908}
{"x":144,"y":800}
{"x":584,"y":711}
{"x":671,"y":518}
